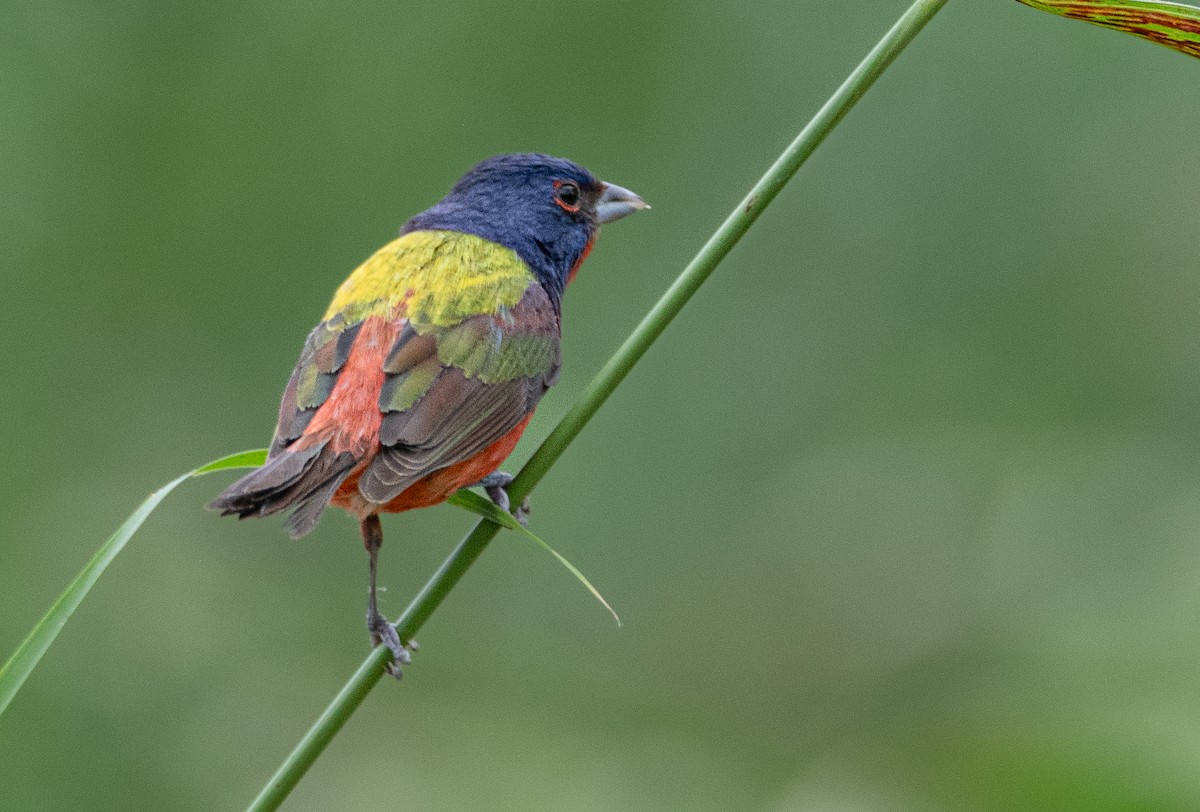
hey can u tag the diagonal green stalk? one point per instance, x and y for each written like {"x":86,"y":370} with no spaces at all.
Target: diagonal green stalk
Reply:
{"x":607,"y":380}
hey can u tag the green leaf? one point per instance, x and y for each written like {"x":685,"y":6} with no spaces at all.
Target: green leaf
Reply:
{"x":473,"y":502}
{"x":33,"y":647}
{"x":242,"y":459}
{"x":1175,"y":25}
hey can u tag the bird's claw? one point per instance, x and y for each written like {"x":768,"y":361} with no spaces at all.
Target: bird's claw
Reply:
{"x":384,"y":632}
{"x":496,"y":485}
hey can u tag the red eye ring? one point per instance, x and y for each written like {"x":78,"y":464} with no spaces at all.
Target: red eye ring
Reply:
{"x":566,"y":195}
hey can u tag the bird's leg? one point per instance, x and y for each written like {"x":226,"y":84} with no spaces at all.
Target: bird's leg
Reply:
{"x":381,"y":629}
{"x":496,"y":484}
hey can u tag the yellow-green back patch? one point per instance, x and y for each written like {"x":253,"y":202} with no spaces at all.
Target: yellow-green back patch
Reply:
{"x":441,"y":277}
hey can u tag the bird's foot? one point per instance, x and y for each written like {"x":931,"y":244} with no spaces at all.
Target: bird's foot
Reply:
{"x":384,"y":632}
{"x":496,"y":486}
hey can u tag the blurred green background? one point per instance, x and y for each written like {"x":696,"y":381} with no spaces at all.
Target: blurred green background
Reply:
{"x":903,"y":512}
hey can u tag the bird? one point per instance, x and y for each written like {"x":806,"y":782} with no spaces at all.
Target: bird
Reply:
{"x":432,"y":357}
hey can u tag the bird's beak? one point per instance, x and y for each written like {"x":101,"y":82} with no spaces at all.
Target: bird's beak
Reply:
{"x":615,"y":202}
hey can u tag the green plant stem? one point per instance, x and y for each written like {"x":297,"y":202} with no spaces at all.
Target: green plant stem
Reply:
{"x":607,"y":380}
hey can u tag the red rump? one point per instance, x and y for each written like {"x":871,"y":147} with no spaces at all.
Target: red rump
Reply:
{"x":350,"y":417}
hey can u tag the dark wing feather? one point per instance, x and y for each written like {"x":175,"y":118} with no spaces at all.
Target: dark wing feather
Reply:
{"x":452,"y":392}
{"x":324,"y":353}
{"x":426,"y":440}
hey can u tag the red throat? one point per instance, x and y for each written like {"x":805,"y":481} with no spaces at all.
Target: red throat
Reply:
{"x":587,"y":249}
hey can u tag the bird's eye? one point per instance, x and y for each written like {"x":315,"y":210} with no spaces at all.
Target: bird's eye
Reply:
{"x":566,"y":195}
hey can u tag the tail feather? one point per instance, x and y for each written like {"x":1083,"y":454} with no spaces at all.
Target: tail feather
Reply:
{"x":304,"y":480}
{"x":250,"y":494}
{"x":309,"y":509}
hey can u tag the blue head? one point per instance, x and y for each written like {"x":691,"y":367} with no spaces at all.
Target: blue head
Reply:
{"x":546,"y":209}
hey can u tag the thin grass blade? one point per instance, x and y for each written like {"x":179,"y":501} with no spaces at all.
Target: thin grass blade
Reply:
{"x":473,"y":502}
{"x":22,"y":662}
{"x":242,"y":459}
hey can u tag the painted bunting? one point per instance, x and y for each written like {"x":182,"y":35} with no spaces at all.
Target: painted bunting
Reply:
{"x":432,"y":356}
